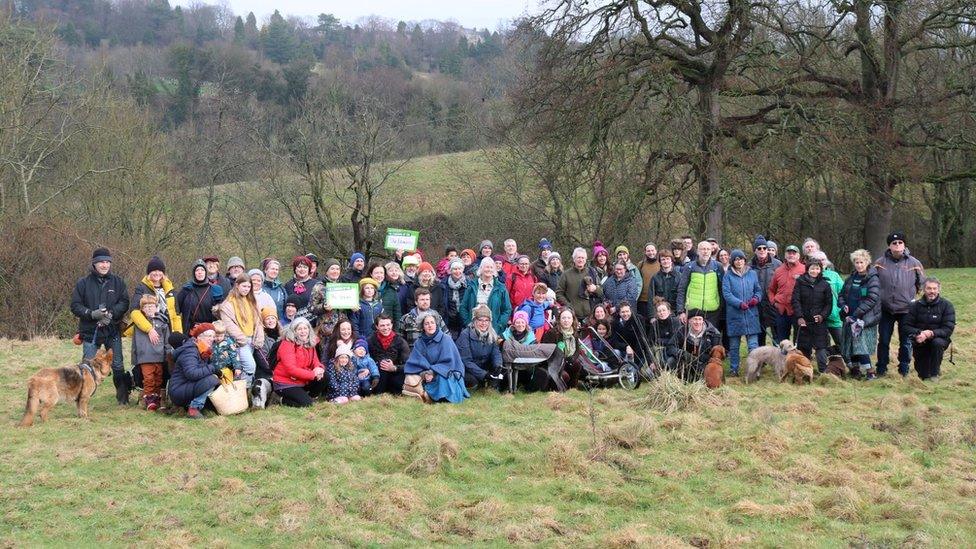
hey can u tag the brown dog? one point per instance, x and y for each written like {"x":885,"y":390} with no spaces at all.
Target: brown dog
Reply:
{"x":836,"y":366}
{"x":797,"y":366}
{"x":77,"y":383}
{"x":714,"y":371}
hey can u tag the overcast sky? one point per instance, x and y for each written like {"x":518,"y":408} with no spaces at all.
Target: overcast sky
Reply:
{"x":469,"y":13}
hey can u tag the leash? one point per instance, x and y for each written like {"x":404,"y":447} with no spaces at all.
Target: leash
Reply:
{"x":85,"y":366}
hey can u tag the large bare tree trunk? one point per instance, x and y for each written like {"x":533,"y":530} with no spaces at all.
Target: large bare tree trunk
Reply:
{"x":709,"y":173}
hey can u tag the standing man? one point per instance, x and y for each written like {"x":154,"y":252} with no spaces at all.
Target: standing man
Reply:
{"x":235,"y":268}
{"x":929,"y":324}
{"x":100,"y":300}
{"x":665,"y":282}
{"x":780,"y":293}
{"x":901,"y":277}
{"x":577,"y":287}
{"x":648,"y":267}
{"x":765,"y":265}
{"x":700,"y":286}
{"x":510,"y":263}
{"x":212,"y":263}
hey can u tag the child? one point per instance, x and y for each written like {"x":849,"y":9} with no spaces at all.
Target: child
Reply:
{"x":366,"y":369}
{"x":536,"y":308}
{"x":370,"y":307}
{"x":343,"y":383}
{"x":225,"y":353}
{"x":146,"y":354}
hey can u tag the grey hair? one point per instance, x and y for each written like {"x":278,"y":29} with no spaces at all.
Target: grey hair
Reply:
{"x":932,"y":280}
{"x":290,"y":335}
{"x":512,"y":240}
{"x":579,"y":251}
{"x":820,"y":256}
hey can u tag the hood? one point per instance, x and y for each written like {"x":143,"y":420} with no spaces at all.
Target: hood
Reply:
{"x":189,"y":346}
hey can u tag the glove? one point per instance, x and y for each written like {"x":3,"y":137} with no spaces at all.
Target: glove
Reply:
{"x":753,"y":302}
{"x":744,"y":305}
{"x":99,"y":314}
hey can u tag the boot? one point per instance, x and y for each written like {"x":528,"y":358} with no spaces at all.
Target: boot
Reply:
{"x":123,"y":384}
{"x":152,"y":402}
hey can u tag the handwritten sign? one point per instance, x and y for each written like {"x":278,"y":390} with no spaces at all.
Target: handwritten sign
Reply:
{"x":401,"y":239}
{"x":342,"y":296}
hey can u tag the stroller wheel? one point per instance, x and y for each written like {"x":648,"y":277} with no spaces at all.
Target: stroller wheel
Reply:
{"x":629,"y":376}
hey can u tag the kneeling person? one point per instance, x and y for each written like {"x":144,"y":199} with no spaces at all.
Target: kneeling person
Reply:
{"x":929,"y":323}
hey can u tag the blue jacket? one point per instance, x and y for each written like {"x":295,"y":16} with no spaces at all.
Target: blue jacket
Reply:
{"x":536,"y":312}
{"x":366,"y":363}
{"x":191,"y":375}
{"x":737,"y":290}
{"x":277,"y":293}
{"x":363,"y":319}
{"x":498,"y":302}
{"x":627,"y":289}
{"x":486,"y":356}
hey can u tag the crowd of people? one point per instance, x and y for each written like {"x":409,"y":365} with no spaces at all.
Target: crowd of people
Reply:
{"x":442,"y":330}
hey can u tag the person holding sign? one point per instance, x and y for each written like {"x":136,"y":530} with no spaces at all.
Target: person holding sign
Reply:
{"x":370,"y":307}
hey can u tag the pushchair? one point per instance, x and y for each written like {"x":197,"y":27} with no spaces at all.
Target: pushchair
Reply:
{"x":609,"y":369}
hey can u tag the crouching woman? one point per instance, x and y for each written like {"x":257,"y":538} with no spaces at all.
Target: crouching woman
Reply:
{"x":435,"y":358}
{"x":299,"y":375}
{"x":193,"y":377}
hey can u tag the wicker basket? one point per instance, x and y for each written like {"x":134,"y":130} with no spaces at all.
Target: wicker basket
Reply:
{"x":230,"y":398}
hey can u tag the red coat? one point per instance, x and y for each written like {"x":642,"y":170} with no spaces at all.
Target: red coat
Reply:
{"x":781,"y":286}
{"x":520,"y":287}
{"x":295,"y":364}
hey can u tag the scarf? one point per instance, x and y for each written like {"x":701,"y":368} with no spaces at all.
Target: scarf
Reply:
{"x":485,"y":336}
{"x":456,"y":286}
{"x":243,"y":313}
{"x":300,"y":286}
{"x":568,"y":343}
{"x":205,"y":352}
{"x":519,"y":336}
{"x":385,"y":340}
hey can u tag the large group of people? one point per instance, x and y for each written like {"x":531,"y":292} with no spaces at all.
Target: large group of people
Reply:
{"x":449,"y":329}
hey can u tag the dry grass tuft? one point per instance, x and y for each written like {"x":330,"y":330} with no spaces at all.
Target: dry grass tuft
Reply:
{"x":233,"y":485}
{"x":843,"y":503}
{"x":639,"y":536}
{"x":639,"y":432}
{"x":540,"y":525}
{"x":796,"y":509}
{"x":563,"y":458}
{"x":559,"y":401}
{"x":830,"y":380}
{"x":668,"y":393}
{"x":430,"y":453}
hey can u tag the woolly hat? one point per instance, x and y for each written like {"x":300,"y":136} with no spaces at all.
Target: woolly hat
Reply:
{"x":201,"y":328}
{"x":410,"y":260}
{"x":198,"y":264}
{"x":759,"y":241}
{"x":355,"y":256}
{"x":235,"y":262}
{"x":599,"y":248}
{"x":313,"y":258}
{"x":621,"y":248}
{"x":293,"y":299}
{"x":895,"y":236}
{"x":343,"y":349}
{"x":268,"y":261}
{"x":101,"y":254}
{"x":360,"y":343}
{"x":485,"y":244}
{"x":258,"y":272}
{"x":155,"y":264}
{"x":176,"y":339}
{"x":268,"y":311}
{"x":218,"y":326}
{"x":554,"y":255}
{"x":328,"y":263}
{"x":695,"y":312}
{"x":469,"y":252}
{"x":425,"y":267}
{"x":772,"y":245}
{"x":520,"y":314}
{"x":736,"y":253}
{"x":544,"y":244}
{"x":499,"y":258}
{"x":481,"y":311}
{"x":301,"y":260}
{"x":370,"y":281}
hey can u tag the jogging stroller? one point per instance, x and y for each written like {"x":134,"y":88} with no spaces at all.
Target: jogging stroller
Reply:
{"x":609,"y":369}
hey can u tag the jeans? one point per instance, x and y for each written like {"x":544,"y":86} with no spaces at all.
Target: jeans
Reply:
{"x":752,"y":341}
{"x":885,"y":330}
{"x":200,"y":401}
{"x":114,"y":342}
{"x":248,"y":364}
{"x":783,"y":328}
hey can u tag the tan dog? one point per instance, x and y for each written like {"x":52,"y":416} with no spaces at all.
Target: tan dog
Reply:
{"x":78,"y":383}
{"x":797,"y":366}
{"x":714,"y":370}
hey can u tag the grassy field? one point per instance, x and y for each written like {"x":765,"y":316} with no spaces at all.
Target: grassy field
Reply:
{"x":885,"y":464}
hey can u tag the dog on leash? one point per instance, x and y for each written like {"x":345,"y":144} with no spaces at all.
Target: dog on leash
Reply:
{"x":835,"y":362}
{"x":70,"y":383}
{"x":797,"y":366}
{"x":714,"y":371}
{"x":768,"y":354}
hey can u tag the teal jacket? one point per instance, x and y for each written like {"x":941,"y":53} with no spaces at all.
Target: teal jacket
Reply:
{"x":498,"y":302}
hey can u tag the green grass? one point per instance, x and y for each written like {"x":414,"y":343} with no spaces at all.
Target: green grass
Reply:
{"x":889,"y":463}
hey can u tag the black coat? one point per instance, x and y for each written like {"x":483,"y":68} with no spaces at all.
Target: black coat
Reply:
{"x":94,"y":292}
{"x":660,"y":332}
{"x":812,"y":297}
{"x":398,"y":352}
{"x":869,"y":307}
{"x":450,"y":309}
{"x":683,"y":348}
{"x":191,"y":375}
{"x":195,"y":304}
{"x":666,"y":285}
{"x":629,"y":334}
{"x":938,"y":315}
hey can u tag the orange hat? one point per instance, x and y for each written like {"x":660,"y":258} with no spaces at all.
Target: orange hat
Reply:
{"x":425,"y":267}
{"x":202,"y":327}
{"x":469,"y":252}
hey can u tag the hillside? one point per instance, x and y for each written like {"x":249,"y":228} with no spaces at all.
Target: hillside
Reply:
{"x":889,"y":463}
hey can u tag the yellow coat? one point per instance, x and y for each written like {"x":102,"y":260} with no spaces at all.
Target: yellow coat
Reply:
{"x":139,"y":320}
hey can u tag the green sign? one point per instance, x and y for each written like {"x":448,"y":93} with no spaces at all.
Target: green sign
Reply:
{"x":402,"y":239}
{"x":342,"y":296}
